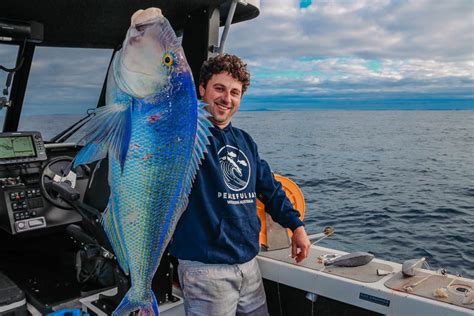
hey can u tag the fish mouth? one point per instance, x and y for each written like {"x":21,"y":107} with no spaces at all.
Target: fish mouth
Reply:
{"x":139,"y":69}
{"x":140,"y":27}
{"x":147,"y":16}
{"x":138,"y":35}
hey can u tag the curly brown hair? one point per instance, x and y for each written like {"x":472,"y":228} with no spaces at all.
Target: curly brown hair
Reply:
{"x":225,"y":63}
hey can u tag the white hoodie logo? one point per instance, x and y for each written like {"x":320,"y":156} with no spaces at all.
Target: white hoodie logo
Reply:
{"x":235,"y":167}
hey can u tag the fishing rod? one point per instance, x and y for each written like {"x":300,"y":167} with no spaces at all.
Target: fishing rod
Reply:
{"x":327,"y":231}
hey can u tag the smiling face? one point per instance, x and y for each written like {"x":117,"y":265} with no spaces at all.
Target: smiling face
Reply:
{"x":222,"y":94}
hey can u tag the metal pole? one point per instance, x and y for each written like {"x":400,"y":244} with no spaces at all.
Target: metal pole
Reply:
{"x":228,"y":22}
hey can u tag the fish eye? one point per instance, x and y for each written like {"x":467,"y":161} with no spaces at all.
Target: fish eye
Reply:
{"x":142,"y":27}
{"x":168,"y":59}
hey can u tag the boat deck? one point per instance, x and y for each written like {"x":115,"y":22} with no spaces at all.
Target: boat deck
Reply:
{"x":362,"y":287}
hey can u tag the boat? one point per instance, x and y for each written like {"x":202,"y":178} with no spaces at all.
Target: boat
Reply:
{"x":53,"y":257}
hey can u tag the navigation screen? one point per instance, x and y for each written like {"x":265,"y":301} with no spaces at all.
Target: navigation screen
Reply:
{"x":20,"y":146}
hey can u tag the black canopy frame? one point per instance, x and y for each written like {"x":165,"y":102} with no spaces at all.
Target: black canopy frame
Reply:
{"x":103,"y":24}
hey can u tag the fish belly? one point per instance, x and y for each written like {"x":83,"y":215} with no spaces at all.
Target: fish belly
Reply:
{"x":146,"y":197}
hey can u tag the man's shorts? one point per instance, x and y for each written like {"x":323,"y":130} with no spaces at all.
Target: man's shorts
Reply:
{"x":222,"y":289}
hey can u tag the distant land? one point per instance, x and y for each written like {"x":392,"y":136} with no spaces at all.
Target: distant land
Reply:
{"x":296,"y":103}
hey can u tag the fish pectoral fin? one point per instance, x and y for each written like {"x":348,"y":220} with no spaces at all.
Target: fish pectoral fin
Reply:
{"x":90,"y":153}
{"x":108,"y":131}
{"x":203,"y":105}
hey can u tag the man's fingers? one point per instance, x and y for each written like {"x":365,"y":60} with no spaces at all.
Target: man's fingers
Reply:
{"x":302,"y":255}
{"x":300,"y":244}
{"x":294,"y":250}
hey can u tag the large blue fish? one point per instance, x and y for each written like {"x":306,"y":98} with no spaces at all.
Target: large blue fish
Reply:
{"x":155,"y":136}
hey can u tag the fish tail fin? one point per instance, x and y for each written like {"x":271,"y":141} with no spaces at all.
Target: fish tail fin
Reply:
{"x":151,"y":309}
{"x":125,"y":307}
{"x":129,"y":305}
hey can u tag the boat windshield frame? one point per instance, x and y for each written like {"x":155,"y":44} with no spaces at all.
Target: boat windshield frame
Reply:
{"x":197,"y":21}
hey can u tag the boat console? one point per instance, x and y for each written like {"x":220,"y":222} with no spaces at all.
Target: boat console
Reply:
{"x":40,"y":197}
{"x":26,"y":169}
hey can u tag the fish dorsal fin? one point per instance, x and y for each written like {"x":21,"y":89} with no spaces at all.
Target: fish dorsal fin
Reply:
{"x":202,"y":105}
{"x":202,"y":140}
{"x":109,"y":131}
{"x":200,"y":143}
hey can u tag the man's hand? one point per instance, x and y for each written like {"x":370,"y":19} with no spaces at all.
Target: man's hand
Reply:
{"x":300,"y":244}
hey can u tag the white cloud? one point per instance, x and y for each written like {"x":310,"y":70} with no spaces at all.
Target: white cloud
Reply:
{"x":331,"y":47}
{"x":376,"y":45}
{"x":431,"y":29}
{"x":357,"y":75}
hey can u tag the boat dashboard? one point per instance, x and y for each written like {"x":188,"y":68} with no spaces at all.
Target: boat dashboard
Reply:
{"x":28,"y":166}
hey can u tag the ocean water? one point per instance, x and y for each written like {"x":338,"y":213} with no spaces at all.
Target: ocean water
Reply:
{"x":398,"y":184}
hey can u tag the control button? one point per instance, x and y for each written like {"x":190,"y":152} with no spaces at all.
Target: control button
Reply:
{"x":16,"y":216}
{"x":22,"y":194}
{"x":36,"y":222}
{"x":33,"y":213}
{"x":21,"y":225}
{"x":14,"y":206}
{"x":38,"y":192}
{"x":12,"y":196}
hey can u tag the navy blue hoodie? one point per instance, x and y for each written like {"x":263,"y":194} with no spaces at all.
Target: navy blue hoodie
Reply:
{"x":220,"y":224}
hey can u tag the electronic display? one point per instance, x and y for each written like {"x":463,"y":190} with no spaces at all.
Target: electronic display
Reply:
{"x":16,"y":147}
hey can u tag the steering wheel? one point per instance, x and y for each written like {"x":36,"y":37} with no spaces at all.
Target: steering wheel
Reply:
{"x":58,"y":170}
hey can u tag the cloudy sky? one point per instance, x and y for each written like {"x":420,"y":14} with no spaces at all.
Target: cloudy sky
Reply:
{"x":301,"y":50}
{"x":314,"y":54}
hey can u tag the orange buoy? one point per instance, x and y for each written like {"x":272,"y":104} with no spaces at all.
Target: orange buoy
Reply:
{"x":294,"y":194}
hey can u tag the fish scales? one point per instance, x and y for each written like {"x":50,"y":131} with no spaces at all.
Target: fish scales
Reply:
{"x":156,"y":174}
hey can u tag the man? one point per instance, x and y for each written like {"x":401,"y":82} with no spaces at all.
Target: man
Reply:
{"x":217,"y":237}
